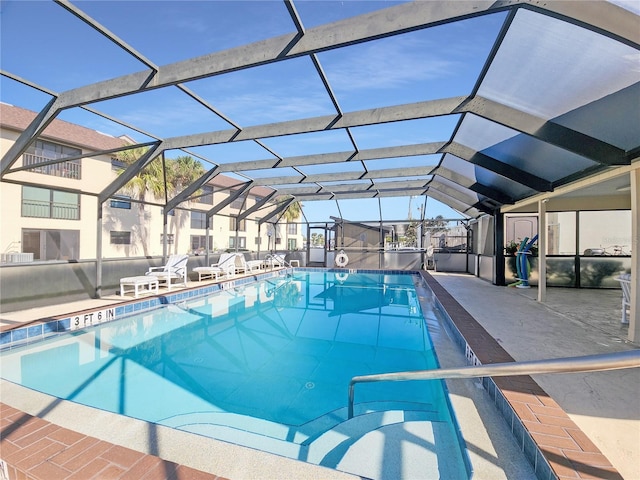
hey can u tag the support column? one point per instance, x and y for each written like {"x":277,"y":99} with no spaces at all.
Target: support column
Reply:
{"x":381,"y":250}
{"x":498,"y":249}
{"x":164,"y":236}
{"x":634,"y":323}
{"x":207,"y":246}
{"x":327,"y":244}
{"x":542,"y":250}
{"x":308,"y":255}
{"x":98,"y":292}
{"x":236,"y":237}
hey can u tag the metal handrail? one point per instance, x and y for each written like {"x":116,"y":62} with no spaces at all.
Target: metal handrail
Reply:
{"x":284,"y":261}
{"x":588,"y":363}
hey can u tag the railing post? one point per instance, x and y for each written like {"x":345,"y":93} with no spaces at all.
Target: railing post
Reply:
{"x":351,"y":398}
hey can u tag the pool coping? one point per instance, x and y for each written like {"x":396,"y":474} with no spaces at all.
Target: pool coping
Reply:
{"x":554,"y":445}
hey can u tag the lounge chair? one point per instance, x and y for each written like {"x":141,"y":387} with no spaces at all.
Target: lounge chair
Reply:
{"x":246,"y":266}
{"x":175,"y":268}
{"x":625,"y":283}
{"x":225,"y":266}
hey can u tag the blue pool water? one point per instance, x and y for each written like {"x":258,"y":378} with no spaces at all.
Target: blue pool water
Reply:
{"x":273,"y":358}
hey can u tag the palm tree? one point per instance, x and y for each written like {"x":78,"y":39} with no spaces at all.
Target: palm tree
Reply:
{"x":149,"y":180}
{"x":293,"y":212}
{"x":183,"y":171}
{"x":180,"y":173}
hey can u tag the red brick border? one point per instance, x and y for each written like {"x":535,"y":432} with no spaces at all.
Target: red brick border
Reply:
{"x":567,"y":450}
{"x":34,"y":449}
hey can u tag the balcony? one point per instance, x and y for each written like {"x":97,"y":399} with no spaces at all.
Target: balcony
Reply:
{"x":71,"y":169}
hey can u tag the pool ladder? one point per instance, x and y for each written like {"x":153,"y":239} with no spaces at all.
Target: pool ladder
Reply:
{"x":588,"y":363}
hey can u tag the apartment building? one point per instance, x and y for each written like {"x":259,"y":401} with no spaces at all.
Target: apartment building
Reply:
{"x":51,"y":211}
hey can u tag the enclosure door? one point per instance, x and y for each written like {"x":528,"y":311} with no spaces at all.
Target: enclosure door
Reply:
{"x":320,"y":240}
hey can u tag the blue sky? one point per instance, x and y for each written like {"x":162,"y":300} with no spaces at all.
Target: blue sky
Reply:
{"x":438,"y":62}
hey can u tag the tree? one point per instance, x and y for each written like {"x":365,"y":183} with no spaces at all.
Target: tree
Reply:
{"x":149,"y":180}
{"x":180,"y":173}
{"x":293,"y":211}
{"x":437,"y":224}
{"x":411,"y":234}
{"x":183,"y":171}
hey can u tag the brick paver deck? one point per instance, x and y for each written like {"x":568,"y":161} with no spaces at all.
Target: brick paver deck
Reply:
{"x":34,"y":449}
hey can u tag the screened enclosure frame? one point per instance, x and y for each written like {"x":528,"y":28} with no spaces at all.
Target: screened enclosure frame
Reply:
{"x":470,"y":196}
{"x":497,"y":154}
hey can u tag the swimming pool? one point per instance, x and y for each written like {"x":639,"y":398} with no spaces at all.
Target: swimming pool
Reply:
{"x":264,"y":365}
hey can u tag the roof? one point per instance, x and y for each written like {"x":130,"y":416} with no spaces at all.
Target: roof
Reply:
{"x":553,"y":98}
{"x":17,"y":118}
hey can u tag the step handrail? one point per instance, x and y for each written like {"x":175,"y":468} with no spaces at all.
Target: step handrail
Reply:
{"x":286,"y":263}
{"x":587,"y":363}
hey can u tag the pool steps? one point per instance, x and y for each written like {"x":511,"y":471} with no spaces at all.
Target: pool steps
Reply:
{"x":333,"y":444}
{"x":297,"y":434}
{"x":325,"y":439}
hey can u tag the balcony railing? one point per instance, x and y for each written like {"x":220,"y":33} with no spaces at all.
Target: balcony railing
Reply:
{"x":71,"y":169}
{"x":42,"y":209}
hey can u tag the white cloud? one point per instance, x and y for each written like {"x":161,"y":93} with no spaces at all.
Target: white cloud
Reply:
{"x":252,"y":108}
{"x":392,"y":63}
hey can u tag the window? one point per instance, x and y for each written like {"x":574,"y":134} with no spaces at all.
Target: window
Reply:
{"x":120,"y":238}
{"x":200,"y":242}
{"x":238,"y":202}
{"x":198,"y":220}
{"x":561,"y":233}
{"x":291,"y":244}
{"x":117,"y":165}
{"x":292,"y":228}
{"x":242,"y":242}
{"x":242,"y":227}
{"x":51,"y":244}
{"x":605,"y":233}
{"x":206,"y":195}
{"x":169,"y":239}
{"x":41,"y":151}
{"x":45,"y":203}
{"x":121,"y":201}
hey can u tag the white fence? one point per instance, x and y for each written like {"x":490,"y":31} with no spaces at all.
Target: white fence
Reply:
{"x":17,"y":257}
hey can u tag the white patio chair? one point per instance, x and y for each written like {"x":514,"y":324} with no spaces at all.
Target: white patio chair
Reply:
{"x":174,"y":269}
{"x":625,"y":284}
{"x":224,"y":266}
{"x":246,"y":266}
{"x":254,"y":264}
